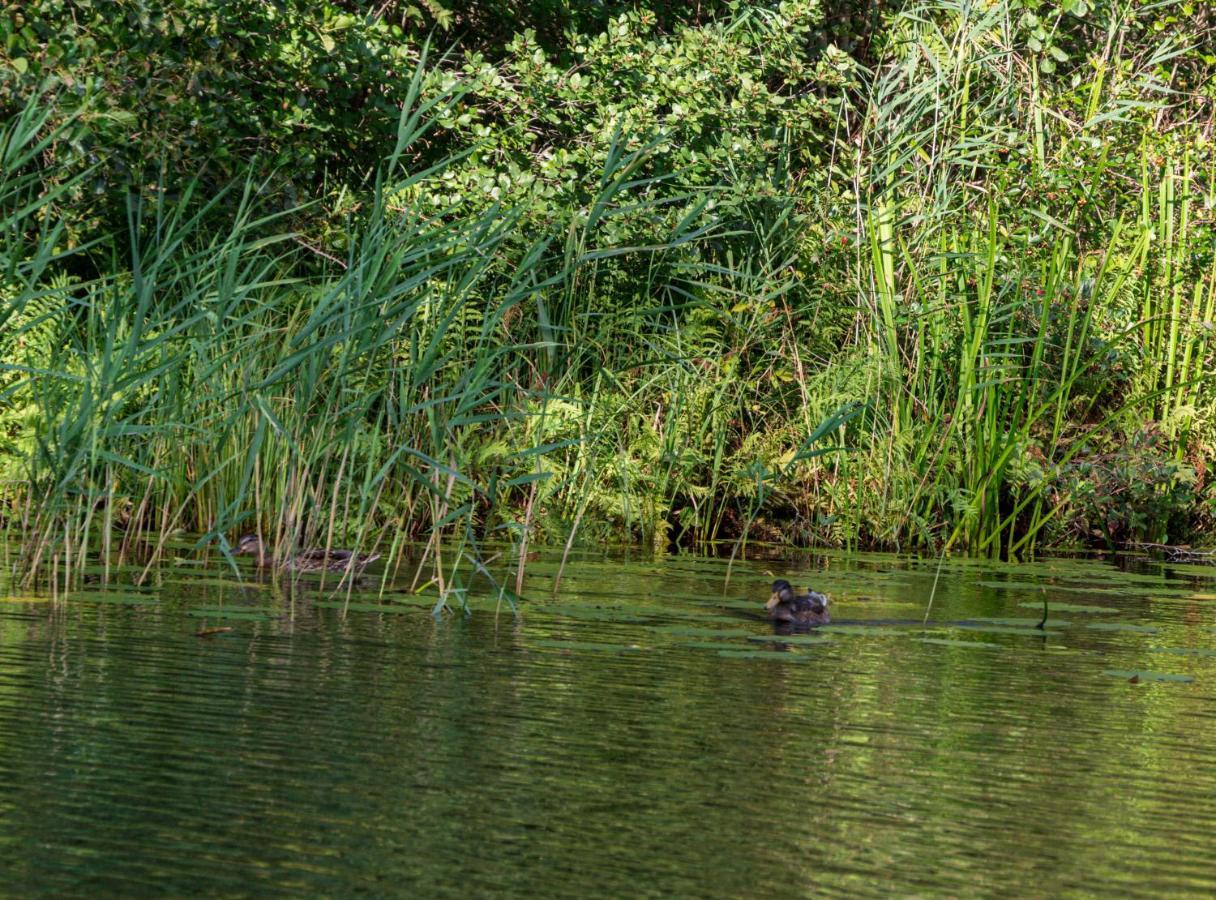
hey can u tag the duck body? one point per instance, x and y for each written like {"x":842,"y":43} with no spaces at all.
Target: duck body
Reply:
{"x":341,"y":561}
{"x":789,"y":608}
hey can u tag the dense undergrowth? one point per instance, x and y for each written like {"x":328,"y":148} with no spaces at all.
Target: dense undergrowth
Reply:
{"x":676,"y":281}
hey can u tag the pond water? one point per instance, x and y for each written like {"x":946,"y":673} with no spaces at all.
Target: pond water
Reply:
{"x":642,"y":731}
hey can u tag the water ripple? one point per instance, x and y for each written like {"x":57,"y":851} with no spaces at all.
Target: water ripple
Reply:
{"x":589,"y":747}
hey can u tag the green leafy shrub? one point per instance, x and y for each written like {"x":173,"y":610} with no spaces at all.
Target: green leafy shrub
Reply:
{"x":1133,"y":490}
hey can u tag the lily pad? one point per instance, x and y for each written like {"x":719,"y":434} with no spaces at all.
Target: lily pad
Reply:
{"x":1121,"y":626}
{"x":869,"y":630}
{"x":1160,"y":598}
{"x":1015,"y":621}
{"x":587,"y":645}
{"x":702,"y":645}
{"x":1071,"y":608}
{"x":790,"y":638}
{"x":734,"y":604}
{"x":1050,"y":588}
{"x":948,"y":642}
{"x":365,"y":607}
{"x":1186,"y":651}
{"x":1026,"y":630}
{"x":110,"y":570}
{"x":116,"y":598}
{"x":688,"y":631}
{"x":193,"y":582}
{"x":214,"y":609}
{"x":236,"y":614}
{"x":1137,"y":675}
{"x":1118,"y":579}
{"x":1192,"y":570}
{"x":599,"y":613}
{"x":763,"y":654}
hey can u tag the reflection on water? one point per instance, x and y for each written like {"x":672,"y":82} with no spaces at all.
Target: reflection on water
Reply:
{"x":644,"y":731}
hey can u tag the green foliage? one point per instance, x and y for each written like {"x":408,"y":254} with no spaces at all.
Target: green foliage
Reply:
{"x":740,"y":268}
{"x":158,"y":95}
{"x":730,"y":100}
{"x":1135,"y":492}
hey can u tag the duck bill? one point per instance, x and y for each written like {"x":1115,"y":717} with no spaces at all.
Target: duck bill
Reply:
{"x":773,"y":599}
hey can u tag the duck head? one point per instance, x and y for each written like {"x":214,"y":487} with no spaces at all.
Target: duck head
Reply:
{"x":249,"y":543}
{"x":782,"y":593}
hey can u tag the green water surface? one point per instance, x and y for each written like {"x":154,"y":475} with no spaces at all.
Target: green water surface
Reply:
{"x":641,"y":731}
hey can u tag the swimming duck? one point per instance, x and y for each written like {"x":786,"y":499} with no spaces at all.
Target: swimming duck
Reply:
{"x":789,"y":608}
{"x":309,"y":560}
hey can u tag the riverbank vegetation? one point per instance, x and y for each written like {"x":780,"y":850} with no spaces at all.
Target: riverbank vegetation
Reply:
{"x":936,"y":276}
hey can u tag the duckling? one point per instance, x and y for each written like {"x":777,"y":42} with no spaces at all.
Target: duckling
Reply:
{"x":309,"y":560}
{"x":786,"y":607}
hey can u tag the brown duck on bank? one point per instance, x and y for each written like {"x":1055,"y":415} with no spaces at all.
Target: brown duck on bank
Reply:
{"x":788,"y":608}
{"x":309,"y":560}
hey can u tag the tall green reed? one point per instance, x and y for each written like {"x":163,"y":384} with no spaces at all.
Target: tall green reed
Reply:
{"x":985,"y":333}
{"x":401,"y":392}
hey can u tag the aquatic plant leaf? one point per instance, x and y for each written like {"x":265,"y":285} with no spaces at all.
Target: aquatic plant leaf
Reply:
{"x":1121,"y":626}
{"x":115,"y":598}
{"x":690,"y":631}
{"x":1028,"y":630}
{"x":628,"y":615}
{"x":1194,"y":571}
{"x":764,"y":654}
{"x":750,"y":605}
{"x":1137,"y":675}
{"x":1107,"y":578}
{"x":553,"y":644}
{"x":365,"y":607}
{"x":1048,"y":588}
{"x":702,"y":645}
{"x":790,"y":638}
{"x":236,"y":614}
{"x":1174,"y":594}
{"x":1071,"y":608}
{"x":1186,"y":651}
{"x":111,"y":570}
{"x":949,"y":642}
{"x":1015,"y":621}
{"x":192,"y":581}
{"x":234,"y":607}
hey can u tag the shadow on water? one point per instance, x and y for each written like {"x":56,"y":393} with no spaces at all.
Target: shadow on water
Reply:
{"x":639,"y":732}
